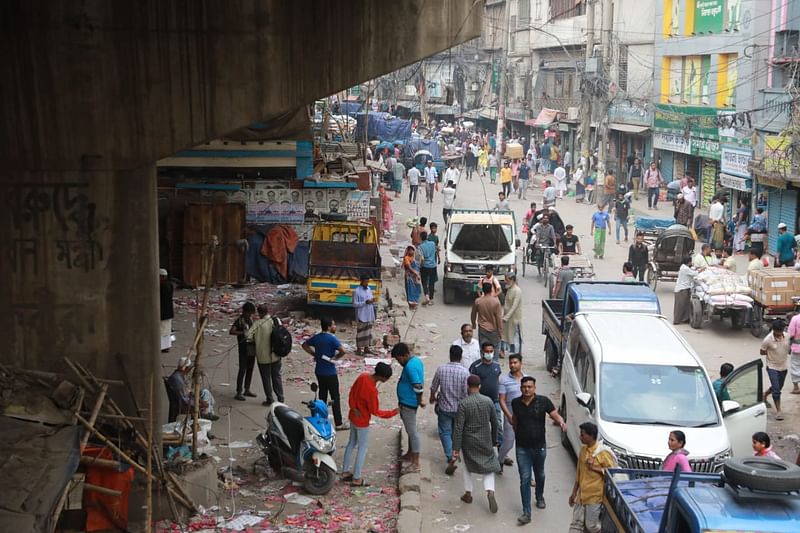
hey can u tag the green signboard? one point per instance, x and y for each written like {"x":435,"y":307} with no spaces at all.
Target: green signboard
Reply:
{"x":698,"y":120}
{"x":708,"y":16}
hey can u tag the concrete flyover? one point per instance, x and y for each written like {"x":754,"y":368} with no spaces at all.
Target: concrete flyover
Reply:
{"x":94,"y":92}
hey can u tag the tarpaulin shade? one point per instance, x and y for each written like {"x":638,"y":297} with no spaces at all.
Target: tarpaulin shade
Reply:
{"x":545,"y":118}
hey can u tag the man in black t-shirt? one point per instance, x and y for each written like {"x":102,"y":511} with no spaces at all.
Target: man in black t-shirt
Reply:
{"x":529,"y":412}
{"x":569,"y":243}
{"x":622,"y":208}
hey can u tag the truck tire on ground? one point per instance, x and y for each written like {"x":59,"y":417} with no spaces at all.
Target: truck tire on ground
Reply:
{"x":448,"y":293}
{"x":696,"y":314}
{"x":737,"y":319}
{"x":550,"y":354}
{"x":562,"y":410}
{"x":762,"y":473}
{"x":757,"y":322}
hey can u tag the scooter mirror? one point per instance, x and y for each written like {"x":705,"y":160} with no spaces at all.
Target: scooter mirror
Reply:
{"x":314,"y":387}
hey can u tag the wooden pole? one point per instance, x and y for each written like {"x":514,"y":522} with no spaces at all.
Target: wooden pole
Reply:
{"x":95,"y":411}
{"x":149,"y":514}
{"x":128,"y":459}
{"x":208,"y":276}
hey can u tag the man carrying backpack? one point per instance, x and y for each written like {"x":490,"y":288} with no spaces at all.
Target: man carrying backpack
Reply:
{"x":269,"y":363}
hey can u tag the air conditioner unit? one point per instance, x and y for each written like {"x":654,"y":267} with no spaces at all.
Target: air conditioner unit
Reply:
{"x":572,"y":113}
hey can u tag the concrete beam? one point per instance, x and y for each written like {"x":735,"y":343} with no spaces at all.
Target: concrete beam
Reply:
{"x":122,"y":84}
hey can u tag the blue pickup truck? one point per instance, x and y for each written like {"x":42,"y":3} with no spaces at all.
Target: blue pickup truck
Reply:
{"x":590,"y":296}
{"x":753,"y":494}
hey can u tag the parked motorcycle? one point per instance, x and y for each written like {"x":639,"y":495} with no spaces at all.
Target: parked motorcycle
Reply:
{"x":301,"y":449}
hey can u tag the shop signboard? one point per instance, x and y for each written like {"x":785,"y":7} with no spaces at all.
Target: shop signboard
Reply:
{"x":708,"y":180}
{"x":708,"y":16}
{"x":672,"y":142}
{"x":630,"y":113}
{"x":706,"y":148}
{"x":700,"y":121}
{"x":735,"y":161}
{"x":734,"y":182}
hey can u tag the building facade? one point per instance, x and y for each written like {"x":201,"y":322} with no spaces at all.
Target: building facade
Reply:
{"x":710,"y":64}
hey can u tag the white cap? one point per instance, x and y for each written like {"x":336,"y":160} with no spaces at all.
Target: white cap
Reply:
{"x":162,"y":272}
{"x":184,"y":362}
{"x":782,"y":226}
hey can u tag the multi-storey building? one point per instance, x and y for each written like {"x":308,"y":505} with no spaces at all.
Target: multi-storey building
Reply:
{"x":775,"y":153}
{"x":710,"y":63}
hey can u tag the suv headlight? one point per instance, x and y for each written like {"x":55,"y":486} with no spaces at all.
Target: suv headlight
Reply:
{"x":456,"y":268}
{"x":721,"y":457}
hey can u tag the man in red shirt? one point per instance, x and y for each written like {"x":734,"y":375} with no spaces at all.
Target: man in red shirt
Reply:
{"x":363,"y":403}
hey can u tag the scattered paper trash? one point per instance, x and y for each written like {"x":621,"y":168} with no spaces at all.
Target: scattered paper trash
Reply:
{"x":239,"y":444}
{"x":243,"y":521}
{"x":297,"y":498}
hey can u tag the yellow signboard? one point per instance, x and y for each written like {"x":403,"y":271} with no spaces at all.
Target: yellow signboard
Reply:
{"x":775,"y":156}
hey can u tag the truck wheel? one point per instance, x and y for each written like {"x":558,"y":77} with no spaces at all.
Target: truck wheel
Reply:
{"x":737,"y":319}
{"x":524,"y":262}
{"x":550,"y":355}
{"x":757,"y":323}
{"x":696,"y":314}
{"x":762,"y":473}
{"x":448,"y":293}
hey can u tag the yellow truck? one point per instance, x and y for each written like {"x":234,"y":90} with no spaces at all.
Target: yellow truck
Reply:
{"x":340,"y":253}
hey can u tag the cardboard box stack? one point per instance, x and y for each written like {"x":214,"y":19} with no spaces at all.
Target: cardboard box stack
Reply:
{"x":774,"y":287}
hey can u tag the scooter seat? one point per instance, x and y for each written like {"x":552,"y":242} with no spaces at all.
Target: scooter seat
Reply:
{"x":292,"y":424}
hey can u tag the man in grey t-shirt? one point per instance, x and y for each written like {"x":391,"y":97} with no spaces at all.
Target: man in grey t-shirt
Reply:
{"x":564,"y":275}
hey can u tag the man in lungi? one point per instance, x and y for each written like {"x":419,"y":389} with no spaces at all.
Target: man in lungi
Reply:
{"x":365,"y":315}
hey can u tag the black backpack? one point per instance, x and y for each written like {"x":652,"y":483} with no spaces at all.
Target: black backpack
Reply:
{"x":280,"y":338}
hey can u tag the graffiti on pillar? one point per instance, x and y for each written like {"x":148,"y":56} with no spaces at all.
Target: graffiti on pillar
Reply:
{"x":52,"y":218}
{"x":82,"y":254}
{"x":65,"y":324}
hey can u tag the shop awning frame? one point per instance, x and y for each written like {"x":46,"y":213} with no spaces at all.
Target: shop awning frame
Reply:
{"x":628,"y":128}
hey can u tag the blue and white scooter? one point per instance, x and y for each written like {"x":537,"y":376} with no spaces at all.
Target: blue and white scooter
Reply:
{"x":301,"y":448}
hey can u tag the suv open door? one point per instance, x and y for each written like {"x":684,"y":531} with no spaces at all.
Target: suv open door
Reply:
{"x":745,"y":387}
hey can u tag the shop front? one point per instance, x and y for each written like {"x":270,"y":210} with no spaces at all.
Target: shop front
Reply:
{"x":629,"y":135}
{"x":691,"y":134}
{"x":736,"y":180}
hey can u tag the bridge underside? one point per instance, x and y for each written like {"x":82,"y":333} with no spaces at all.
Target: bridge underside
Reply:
{"x":95,"y":92}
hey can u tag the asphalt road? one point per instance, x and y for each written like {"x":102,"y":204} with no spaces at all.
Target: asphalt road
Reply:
{"x":434,"y":328}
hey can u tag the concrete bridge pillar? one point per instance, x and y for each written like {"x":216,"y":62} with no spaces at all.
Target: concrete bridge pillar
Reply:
{"x":79,"y":272}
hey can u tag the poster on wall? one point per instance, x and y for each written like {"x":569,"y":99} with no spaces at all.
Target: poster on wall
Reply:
{"x":337,"y":200}
{"x":692,"y":74}
{"x":708,"y":181}
{"x":675,"y":80}
{"x":734,"y":15}
{"x":357,"y":205}
{"x":708,"y":16}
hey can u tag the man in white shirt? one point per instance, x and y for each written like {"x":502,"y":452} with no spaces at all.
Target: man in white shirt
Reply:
{"x":560,"y":174}
{"x":705,"y":258}
{"x":448,"y":200}
{"x":452,"y":173}
{"x":549,"y":194}
{"x":716,"y":215}
{"x":430,"y":181}
{"x":413,"y":184}
{"x":683,"y":292}
{"x":502,"y":204}
{"x":690,"y":192}
{"x":471,"y":349}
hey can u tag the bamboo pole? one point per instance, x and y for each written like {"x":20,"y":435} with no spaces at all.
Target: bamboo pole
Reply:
{"x":95,"y":411}
{"x":102,"y":490}
{"x":208,"y":275}
{"x":149,"y":514}
{"x":128,"y":459}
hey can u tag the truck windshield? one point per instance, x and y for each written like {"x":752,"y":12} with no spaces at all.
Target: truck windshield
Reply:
{"x":656,"y":394}
{"x":480,"y":236}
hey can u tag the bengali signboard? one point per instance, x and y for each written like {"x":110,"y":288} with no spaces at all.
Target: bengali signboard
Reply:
{"x":708,"y":181}
{"x":672,"y":142}
{"x":706,"y":148}
{"x":734,"y":182}
{"x":708,"y":16}
{"x":735,"y":161}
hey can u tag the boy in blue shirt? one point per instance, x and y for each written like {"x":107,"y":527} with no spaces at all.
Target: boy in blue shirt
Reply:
{"x":326,"y":348}
{"x":599,"y":227}
{"x":409,"y":396}
{"x":427,"y":249}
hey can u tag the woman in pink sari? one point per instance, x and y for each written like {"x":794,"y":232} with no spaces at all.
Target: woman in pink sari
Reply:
{"x":386,"y":208}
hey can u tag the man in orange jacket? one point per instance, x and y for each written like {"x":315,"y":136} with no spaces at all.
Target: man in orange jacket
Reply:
{"x":363,"y":403}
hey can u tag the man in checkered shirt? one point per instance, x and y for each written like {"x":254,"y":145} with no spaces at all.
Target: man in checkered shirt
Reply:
{"x":448,"y":388}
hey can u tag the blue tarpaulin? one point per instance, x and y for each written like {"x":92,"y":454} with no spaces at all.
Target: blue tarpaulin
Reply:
{"x":258,"y":267}
{"x":349,"y":108}
{"x":384,"y":127}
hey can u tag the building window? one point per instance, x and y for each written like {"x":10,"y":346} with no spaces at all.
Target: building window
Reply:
{"x":562,"y":84}
{"x":622,"y":75}
{"x":564,"y":9}
{"x":524,"y":13}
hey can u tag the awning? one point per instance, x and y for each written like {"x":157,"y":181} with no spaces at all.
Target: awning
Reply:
{"x":628,"y":128}
{"x":544,"y":119}
{"x":488,"y":113}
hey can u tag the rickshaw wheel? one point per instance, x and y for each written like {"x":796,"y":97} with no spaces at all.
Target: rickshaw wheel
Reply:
{"x":757,"y":324}
{"x":651,"y":277}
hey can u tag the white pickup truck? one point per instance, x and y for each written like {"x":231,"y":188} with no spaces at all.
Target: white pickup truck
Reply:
{"x":476,"y":238}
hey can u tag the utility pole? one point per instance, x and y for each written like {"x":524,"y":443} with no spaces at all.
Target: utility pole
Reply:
{"x":586,"y":119}
{"x":605,"y":40}
{"x":503,"y":96}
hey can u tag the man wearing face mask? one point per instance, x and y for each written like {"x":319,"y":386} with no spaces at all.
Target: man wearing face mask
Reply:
{"x":489,"y":372}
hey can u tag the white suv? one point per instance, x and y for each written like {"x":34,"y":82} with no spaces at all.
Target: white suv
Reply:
{"x":638,"y":379}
